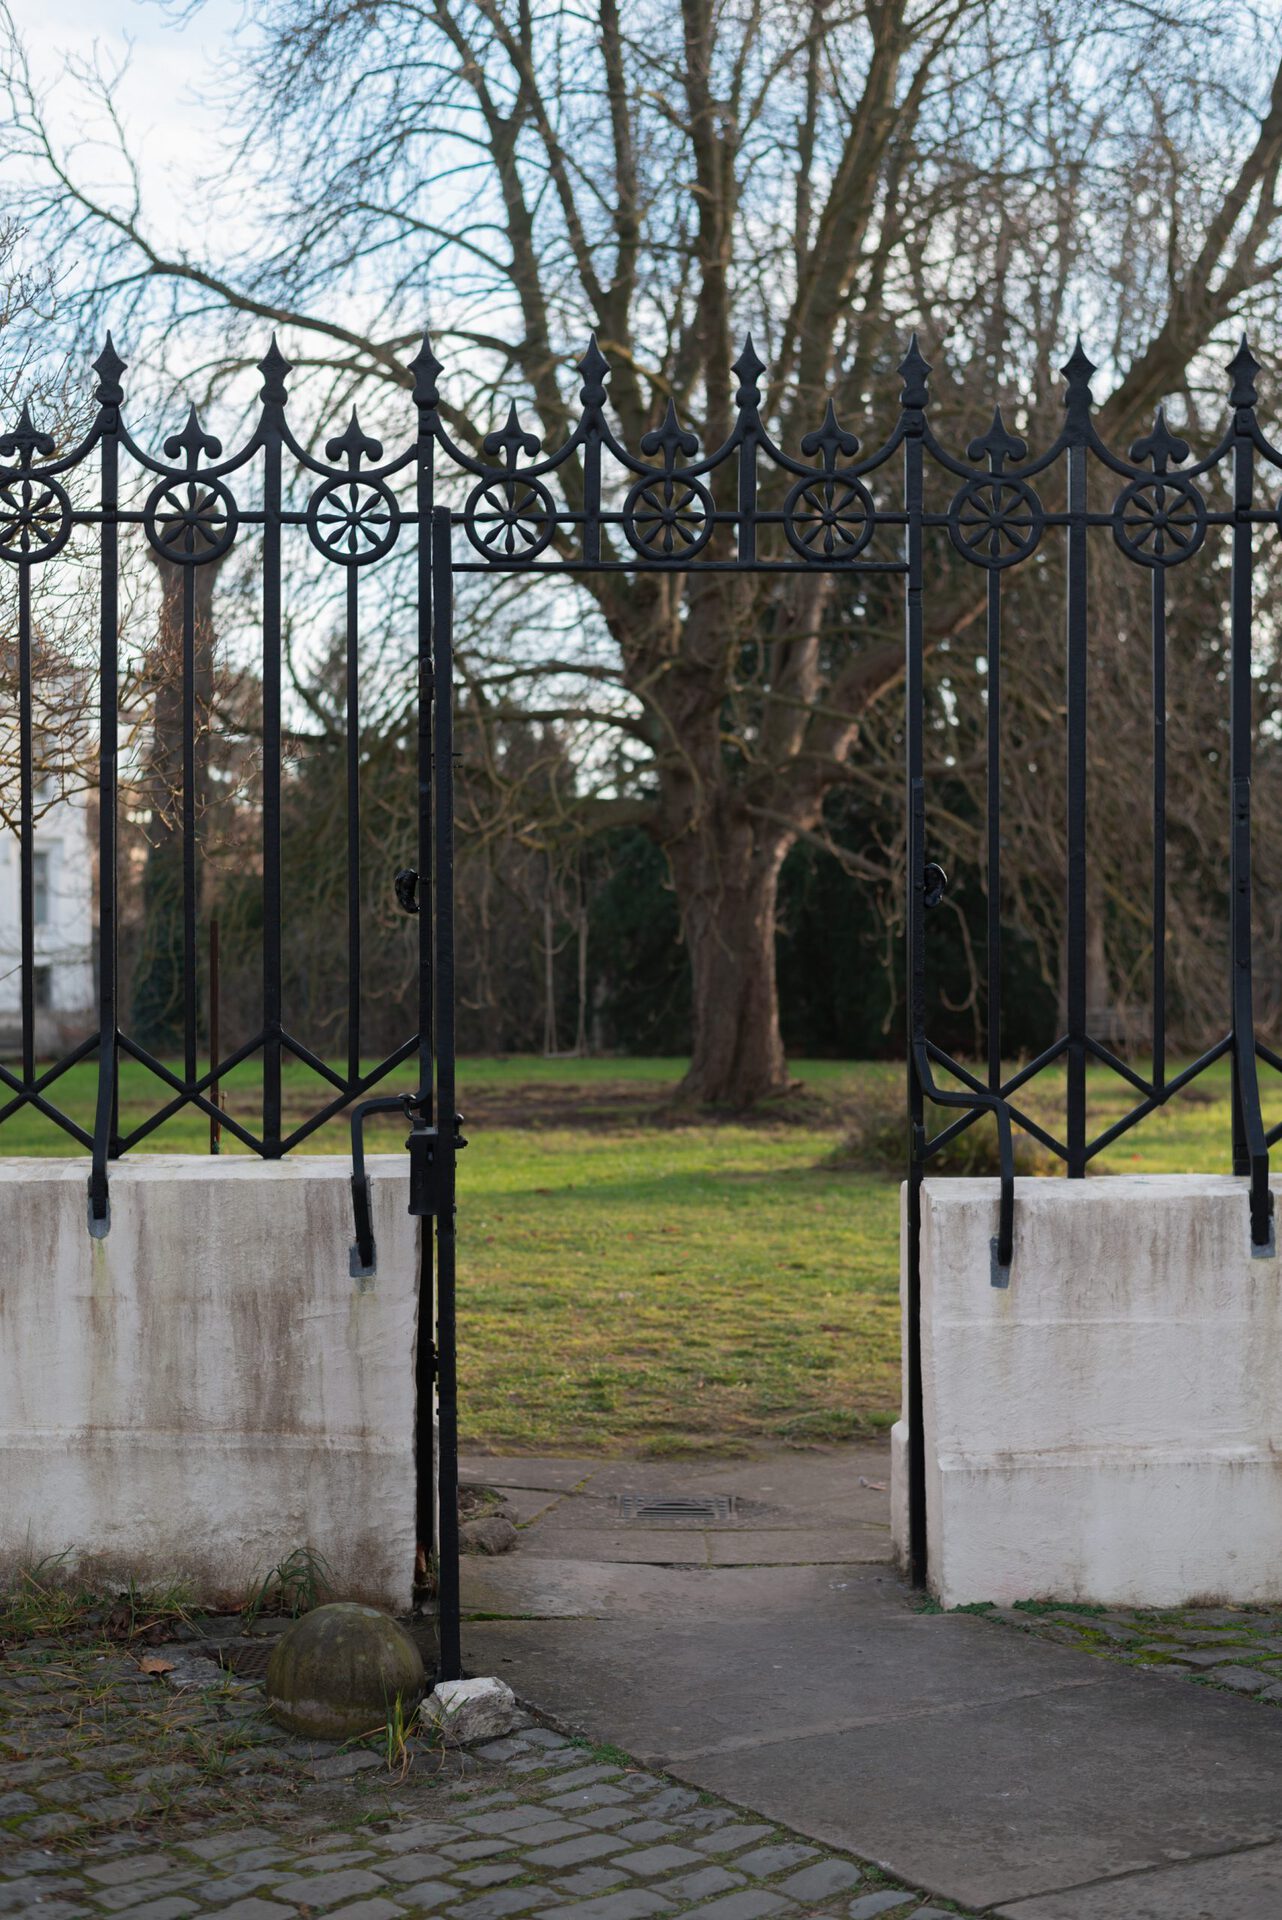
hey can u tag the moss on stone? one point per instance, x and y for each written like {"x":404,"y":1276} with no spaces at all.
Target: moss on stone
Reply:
{"x":337,"y":1673}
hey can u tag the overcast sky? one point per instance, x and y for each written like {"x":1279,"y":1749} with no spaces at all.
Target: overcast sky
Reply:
{"x":169,"y":127}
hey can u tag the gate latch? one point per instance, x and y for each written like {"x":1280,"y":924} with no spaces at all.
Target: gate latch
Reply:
{"x":429,"y":1196}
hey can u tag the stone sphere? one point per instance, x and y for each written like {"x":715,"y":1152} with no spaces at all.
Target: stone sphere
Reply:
{"x":337,"y":1673}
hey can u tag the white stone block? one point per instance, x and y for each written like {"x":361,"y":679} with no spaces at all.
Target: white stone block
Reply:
{"x":1107,"y":1428}
{"x":207,"y":1388}
{"x":467,"y":1710}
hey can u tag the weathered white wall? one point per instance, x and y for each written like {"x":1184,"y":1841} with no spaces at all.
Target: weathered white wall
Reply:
{"x":207,"y":1388}
{"x":1109,"y":1427}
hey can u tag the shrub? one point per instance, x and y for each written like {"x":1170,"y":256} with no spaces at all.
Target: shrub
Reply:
{"x":876,"y":1141}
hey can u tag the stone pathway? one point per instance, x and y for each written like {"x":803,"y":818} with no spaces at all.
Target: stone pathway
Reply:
{"x":120,"y":1794}
{"x":798,"y":1738}
{"x":1238,"y":1648}
{"x":738,"y":1624}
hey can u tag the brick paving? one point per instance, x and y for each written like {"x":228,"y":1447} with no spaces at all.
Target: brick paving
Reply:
{"x":121,"y":1794}
{"x":1235,"y":1648}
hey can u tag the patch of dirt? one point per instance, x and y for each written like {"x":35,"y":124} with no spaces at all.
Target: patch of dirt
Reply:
{"x":617,"y":1104}
{"x":640,"y":1104}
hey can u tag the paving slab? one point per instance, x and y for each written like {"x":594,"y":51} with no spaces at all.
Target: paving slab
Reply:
{"x":554,"y":1475}
{"x":988,"y":1767}
{"x":722,"y":1680}
{"x":1237,"y":1886}
{"x":806,"y":1482}
{"x":1026,"y":1796}
{"x":800,"y":1546}
{"x":529,"y":1585}
{"x":652,"y":1546}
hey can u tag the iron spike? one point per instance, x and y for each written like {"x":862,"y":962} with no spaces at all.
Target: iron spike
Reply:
{"x":914,"y":369}
{"x":274,"y":366}
{"x":426,"y":368}
{"x":109,"y":366}
{"x":1243,"y":366}
{"x":594,"y":369}
{"x":748,"y":368}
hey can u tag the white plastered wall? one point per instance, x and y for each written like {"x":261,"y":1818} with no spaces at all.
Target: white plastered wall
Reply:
{"x":207,"y":1388}
{"x":1108,"y":1428}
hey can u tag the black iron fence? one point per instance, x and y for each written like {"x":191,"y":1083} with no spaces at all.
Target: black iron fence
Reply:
{"x":498,"y":503}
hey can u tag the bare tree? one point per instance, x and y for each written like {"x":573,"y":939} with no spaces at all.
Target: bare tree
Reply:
{"x":828,"y":175}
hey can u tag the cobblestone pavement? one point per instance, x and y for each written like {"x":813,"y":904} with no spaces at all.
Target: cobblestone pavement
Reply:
{"x":123,"y":1794}
{"x":1238,"y":1648}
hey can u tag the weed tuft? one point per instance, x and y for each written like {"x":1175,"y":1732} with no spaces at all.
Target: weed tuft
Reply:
{"x":296,"y":1584}
{"x":49,"y":1602}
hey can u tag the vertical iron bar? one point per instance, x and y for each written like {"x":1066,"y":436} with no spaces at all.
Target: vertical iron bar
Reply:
{"x":107,"y":1109}
{"x":1239,"y":779}
{"x":1159,"y":827}
{"x":26,"y":826}
{"x":272,"y":903}
{"x":746,"y":502}
{"x":592,"y":491}
{"x":1250,"y":1150}
{"x":443,"y":902}
{"x":215,"y":1038}
{"x":749,"y":369}
{"x":427,"y":1531}
{"x":1076,"y":799}
{"x":913,"y":401}
{"x":594,"y":368}
{"x":994,"y":876}
{"x":353,"y":833}
{"x":189,"y":824}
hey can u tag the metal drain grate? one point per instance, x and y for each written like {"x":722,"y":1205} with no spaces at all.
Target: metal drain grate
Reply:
{"x":669,"y":1508}
{"x":247,"y":1660}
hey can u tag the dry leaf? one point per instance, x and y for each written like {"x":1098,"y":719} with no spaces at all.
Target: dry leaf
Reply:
{"x":152,"y":1663}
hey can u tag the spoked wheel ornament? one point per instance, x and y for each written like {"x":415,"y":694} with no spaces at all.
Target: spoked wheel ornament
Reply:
{"x":355,"y":521}
{"x":191,"y":521}
{"x":668,"y":517}
{"x":1159,"y":522}
{"x":995,"y":522}
{"x":829,"y":517}
{"x":509,"y":517}
{"x":35,"y":518}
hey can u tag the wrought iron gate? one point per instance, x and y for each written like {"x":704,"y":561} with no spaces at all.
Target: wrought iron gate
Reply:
{"x":746,"y":505}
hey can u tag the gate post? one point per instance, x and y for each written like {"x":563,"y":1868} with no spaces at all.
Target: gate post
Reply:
{"x":913,"y":401}
{"x":440,"y":751}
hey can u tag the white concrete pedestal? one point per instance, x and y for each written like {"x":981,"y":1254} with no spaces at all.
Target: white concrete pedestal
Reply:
{"x":1108,"y":1428}
{"x":207,"y":1388}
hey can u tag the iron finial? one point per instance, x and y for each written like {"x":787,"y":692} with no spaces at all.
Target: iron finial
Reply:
{"x":830,"y":439}
{"x":192,"y":442}
{"x":997,"y":445}
{"x":594,"y":370}
{"x":1077,"y":371}
{"x":26,"y":439}
{"x":353,"y":445}
{"x":670,"y":438}
{"x":511,"y":440}
{"x":914,"y":370}
{"x":426,"y":369}
{"x":1161,"y":446}
{"x":748,"y":368}
{"x":1243,"y":366}
{"x":109,"y":366}
{"x":274,"y":366}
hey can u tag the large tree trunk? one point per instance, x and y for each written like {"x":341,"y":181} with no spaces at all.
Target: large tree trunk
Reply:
{"x":158,"y":982}
{"x":727,"y":882}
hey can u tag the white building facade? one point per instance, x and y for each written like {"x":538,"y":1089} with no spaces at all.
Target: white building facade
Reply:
{"x":63,"y":916}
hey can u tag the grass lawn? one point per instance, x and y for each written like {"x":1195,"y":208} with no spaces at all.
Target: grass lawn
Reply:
{"x":629,"y":1281}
